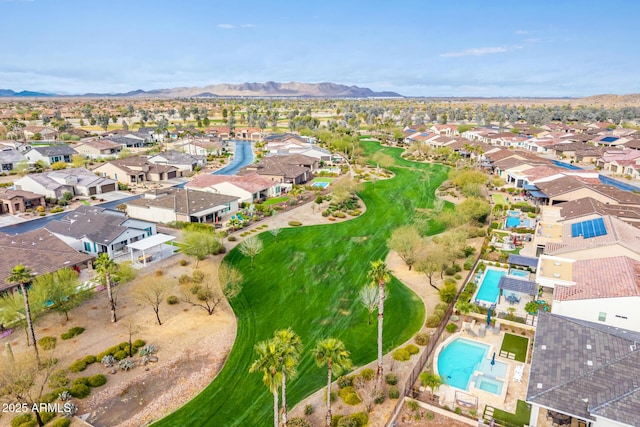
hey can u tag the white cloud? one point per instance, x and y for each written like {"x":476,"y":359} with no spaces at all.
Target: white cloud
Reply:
{"x":476,"y":52}
{"x":247,"y":26}
{"x":522,"y":32}
{"x":226,"y":26}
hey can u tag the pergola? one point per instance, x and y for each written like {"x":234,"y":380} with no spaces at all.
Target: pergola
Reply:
{"x":145,"y":245}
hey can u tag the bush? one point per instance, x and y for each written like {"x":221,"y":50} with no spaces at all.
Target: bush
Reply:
{"x":412,"y":349}
{"x":457,"y":276}
{"x":335,"y":419}
{"x":120,"y":355}
{"x":451,"y":328}
{"x":379,"y":399}
{"x":233,"y":239}
{"x":439,"y":313}
{"x":340,"y":215}
{"x":401,"y":355}
{"x":295,"y":223}
{"x":58,"y":379}
{"x":432,"y":321}
{"x":412,"y":405}
{"x":308,"y":409}
{"x":47,"y":343}
{"x":184,"y":279}
{"x":75,"y":331}
{"x":298,"y":422}
{"x":359,"y":419}
{"x":394,"y":393}
{"x":448,"y":292}
{"x":348,"y":422}
{"x":442,"y":306}
{"x":80,"y":391}
{"x":139,"y":343}
{"x":183,"y":262}
{"x":172,"y":299}
{"x":47,"y":416}
{"x":422,"y":338}
{"x":22,"y":419}
{"x":368,"y":374}
{"x":197,"y":276}
{"x":61,"y":422}
{"x":349,"y":396}
{"x":89,"y":359}
{"x":391,"y":379}
{"x":345,"y":381}
{"x":78,"y":366}
{"x":81,"y":380}
{"x":97,"y":380}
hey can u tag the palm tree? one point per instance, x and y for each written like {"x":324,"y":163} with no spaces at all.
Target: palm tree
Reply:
{"x":289,"y":345}
{"x":380,"y":275}
{"x":105,"y":266}
{"x":368,"y":296}
{"x":22,"y":276}
{"x":268,"y":362}
{"x":331,"y":352}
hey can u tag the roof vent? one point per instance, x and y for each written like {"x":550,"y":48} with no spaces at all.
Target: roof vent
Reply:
{"x":588,"y":346}
{"x":589,"y":363}
{"x":543,"y":347}
{"x":539,"y":385}
{"x":556,"y":275}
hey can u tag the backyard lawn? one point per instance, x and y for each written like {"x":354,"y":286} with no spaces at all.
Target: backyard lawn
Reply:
{"x":520,"y":418}
{"x":274,"y":201}
{"x":516,"y":345}
{"x":309,"y":279}
{"x":499,"y":199}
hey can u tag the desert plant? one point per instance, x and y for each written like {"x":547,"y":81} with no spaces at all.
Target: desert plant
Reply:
{"x":89,"y":359}
{"x":97,"y":380}
{"x":422,"y":338}
{"x":125,"y":364}
{"x":308,"y":410}
{"x":451,"y":328}
{"x":80,"y":391}
{"x":148,"y":350}
{"x":75,"y":331}
{"x":344,"y":381}
{"x":368,"y":374}
{"x":78,"y":366}
{"x":412,"y":349}
{"x":58,"y":379}
{"x":298,"y":422}
{"x":394,"y":393}
{"x":401,"y":355}
{"x":108,"y":361}
{"x":349,"y":396}
{"x":47,"y":343}
{"x":432,"y":321}
{"x":172,"y":299}
{"x":120,"y":355}
{"x":391,"y":379}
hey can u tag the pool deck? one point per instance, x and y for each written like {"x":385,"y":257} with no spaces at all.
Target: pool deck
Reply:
{"x":512,"y":390}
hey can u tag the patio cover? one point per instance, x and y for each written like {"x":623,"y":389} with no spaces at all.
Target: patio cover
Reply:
{"x":538,"y":194}
{"x":150,"y":242}
{"x":523,"y":260}
{"x":530,"y":187}
{"x":517,"y":285}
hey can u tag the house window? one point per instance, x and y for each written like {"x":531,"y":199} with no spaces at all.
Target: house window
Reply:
{"x":148,"y":230}
{"x":602,"y":317}
{"x":115,"y":176}
{"x":87,"y":247}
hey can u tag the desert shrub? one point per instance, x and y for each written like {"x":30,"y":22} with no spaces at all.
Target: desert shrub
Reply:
{"x":23,"y":419}
{"x":348,"y":422}
{"x":197,"y":276}
{"x":298,"y":422}
{"x":308,"y":409}
{"x":368,"y":374}
{"x":394,"y":393}
{"x":295,"y":223}
{"x":429,"y":415}
{"x":47,"y":343}
{"x":89,"y":359}
{"x":335,"y":419}
{"x":49,"y":397}
{"x":451,"y":328}
{"x":139,"y":343}
{"x":148,"y":350}
{"x":97,"y":380}
{"x":58,"y":379}
{"x":391,"y":379}
{"x":125,"y":364}
{"x":349,"y":396}
{"x":439,"y":313}
{"x":432,"y":321}
{"x":183,"y":262}
{"x":457,"y":276}
{"x":345,"y":381}
{"x":412,"y":405}
{"x":450,"y":281}
{"x":422,"y":338}
{"x":172,"y":299}
{"x":361,"y":417}
{"x":412,"y":349}
{"x":75,"y":331}
{"x":340,"y":215}
{"x":80,"y":380}
{"x":457,"y":410}
{"x":184,"y":279}
{"x":120,"y":355}
{"x":78,"y":366}
{"x":159,"y":273}
{"x":80,"y":391}
{"x":379,"y":399}
{"x":61,"y":422}
{"x":448,"y":292}
{"x":232,"y":238}
{"x":108,"y":360}
{"x":442,"y":306}
{"x":401,"y":355}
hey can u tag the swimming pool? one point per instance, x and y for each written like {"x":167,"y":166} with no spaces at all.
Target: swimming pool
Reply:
{"x":460,"y":359}
{"x":519,"y":273}
{"x":513,"y":221}
{"x":320,"y":184}
{"x":489,"y":287}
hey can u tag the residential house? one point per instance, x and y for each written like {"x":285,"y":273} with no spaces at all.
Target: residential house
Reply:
{"x":254,"y":134}
{"x":38,"y":250}
{"x":97,"y":230}
{"x":590,"y":208}
{"x":77,"y":181}
{"x":50,"y":154}
{"x":248,"y":188}
{"x":174,"y":204}
{"x":291,"y":169}
{"x":181,"y":161}
{"x":98,"y":149}
{"x":136,"y":170}
{"x":9,"y":159}
{"x":568,"y":188}
{"x":13,"y":202}
{"x":586,"y":371}
{"x":45,"y":133}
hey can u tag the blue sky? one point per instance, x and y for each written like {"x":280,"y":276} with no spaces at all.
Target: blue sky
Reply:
{"x":416,"y":48}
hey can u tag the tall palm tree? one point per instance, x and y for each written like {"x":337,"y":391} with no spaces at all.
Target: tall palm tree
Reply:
{"x":331,"y":352}
{"x":105,"y":266}
{"x":289,"y":345}
{"x":380,"y":275}
{"x":268,"y":362}
{"x":22,"y":276}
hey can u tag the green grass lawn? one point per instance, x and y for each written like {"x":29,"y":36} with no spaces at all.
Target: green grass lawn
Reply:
{"x":323,"y":179}
{"x":309,"y":279}
{"x":517,"y":345}
{"x":520,"y":418}
{"x":499,"y":199}
{"x":274,"y":201}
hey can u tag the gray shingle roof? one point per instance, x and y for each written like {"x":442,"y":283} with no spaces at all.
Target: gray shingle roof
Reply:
{"x":585,"y":369}
{"x":55,"y":150}
{"x":177,"y":199}
{"x":96,"y":224}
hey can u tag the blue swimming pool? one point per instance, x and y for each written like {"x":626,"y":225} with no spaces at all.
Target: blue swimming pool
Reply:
{"x":489,"y":384}
{"x":458,"y":360}
{"x":320,"y":184}
{"x":513,"y":221}
{"x":489,"y":287}
{"x":519,"y":273}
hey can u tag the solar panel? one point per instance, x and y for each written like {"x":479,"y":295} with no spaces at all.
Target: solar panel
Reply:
{"x":589,"y":229}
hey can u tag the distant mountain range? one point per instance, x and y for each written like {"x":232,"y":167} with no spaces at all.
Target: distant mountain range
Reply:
{"x":268,"y":89}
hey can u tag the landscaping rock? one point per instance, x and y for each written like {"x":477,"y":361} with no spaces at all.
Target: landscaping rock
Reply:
{"x":153,"y":359}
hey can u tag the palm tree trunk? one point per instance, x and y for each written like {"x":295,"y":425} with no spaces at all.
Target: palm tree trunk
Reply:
{"x":275,"y":407}
{"x":380,"y":325}
{"x":27,"y":312}
{"x":329,"y":367}
{"x":112,"y":304}
{"x":284,"y":398}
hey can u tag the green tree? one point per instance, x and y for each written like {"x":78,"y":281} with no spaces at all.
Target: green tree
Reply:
{"x":333,"y":353}
{"x":251,"y":247}
{"x":406,"y":241}
{"x":380,"y":275}
{"x":448,"y":292}
{"x":268,"y":362}
{"x":212,"y":291}
{"x":78,"y":161}
{"x":428,"y":379}
{"x":23,"y":276}
{"x":290,"y":348}
{"x":61,"y":290}
{"x":200,"y":244}
{"x":368,"y":297}
{"x":105,"y":266}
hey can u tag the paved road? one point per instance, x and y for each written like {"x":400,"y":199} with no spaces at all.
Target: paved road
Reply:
{"x":242,"y":157}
